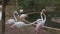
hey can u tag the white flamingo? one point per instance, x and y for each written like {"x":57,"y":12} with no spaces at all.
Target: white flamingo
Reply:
{"x":21,"y":24}
{"x":11,"y":21}
{"x":40,"y":23}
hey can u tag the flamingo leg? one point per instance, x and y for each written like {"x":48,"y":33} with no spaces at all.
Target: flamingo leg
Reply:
{"x":39,"y":31}
{"x":19,"y":31}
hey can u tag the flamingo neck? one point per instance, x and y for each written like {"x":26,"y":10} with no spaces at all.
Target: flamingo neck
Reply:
{"x":44,"y":17}
{"x":15,"y":17}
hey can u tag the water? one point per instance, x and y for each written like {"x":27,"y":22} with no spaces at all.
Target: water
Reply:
{"x":34,"y":17}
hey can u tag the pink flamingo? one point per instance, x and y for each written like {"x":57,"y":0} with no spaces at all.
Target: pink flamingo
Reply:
{"x":40,"y":23}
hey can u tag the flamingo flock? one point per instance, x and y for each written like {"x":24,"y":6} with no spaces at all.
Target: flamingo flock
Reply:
{"x":20,"y":24}
{"x":16,"y":23}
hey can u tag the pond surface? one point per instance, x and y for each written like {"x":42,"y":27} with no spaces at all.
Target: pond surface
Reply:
{"x":34,"y":17}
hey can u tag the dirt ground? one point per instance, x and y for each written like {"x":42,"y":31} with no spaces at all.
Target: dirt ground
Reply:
{"x":25,"y":30}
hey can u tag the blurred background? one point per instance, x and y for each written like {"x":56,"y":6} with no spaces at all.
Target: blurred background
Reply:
{"x":52,"y":12}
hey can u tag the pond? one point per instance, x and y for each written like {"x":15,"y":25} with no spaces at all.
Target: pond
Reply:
{"x":34,"y":17}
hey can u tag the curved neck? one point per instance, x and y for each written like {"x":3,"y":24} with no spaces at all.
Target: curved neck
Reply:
{"x":44,"y":17}
{"x":14,"y":17}
{"x":41,"y":15}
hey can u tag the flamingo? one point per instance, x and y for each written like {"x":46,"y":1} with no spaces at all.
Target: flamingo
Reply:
{"x":11,"y":21}
{"x":40,"y":23}
{"x":21,"y":24}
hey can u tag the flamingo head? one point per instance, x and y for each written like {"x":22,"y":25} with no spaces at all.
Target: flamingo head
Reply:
{"x":16,"y":13}
{"x":43,"y":10}
{"x":23,"y":16}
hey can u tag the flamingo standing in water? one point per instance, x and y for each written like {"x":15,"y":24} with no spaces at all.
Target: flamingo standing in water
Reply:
{"x":40,"y":23}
